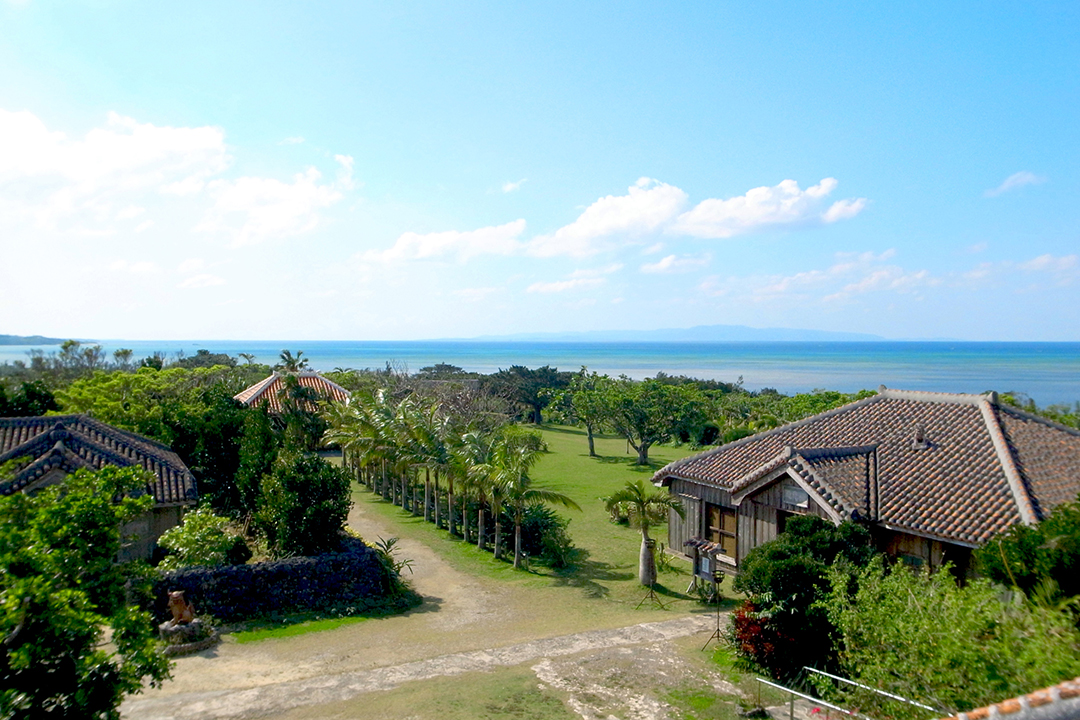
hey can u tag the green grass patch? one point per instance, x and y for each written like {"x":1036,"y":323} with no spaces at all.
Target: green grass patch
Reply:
{"x":607,"y":566}
{"x":300,"y":627}
{"x":702,"y":705}
{"x":504,"y":693}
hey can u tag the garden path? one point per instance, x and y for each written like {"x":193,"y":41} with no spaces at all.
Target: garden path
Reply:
{"x":465,"y":624}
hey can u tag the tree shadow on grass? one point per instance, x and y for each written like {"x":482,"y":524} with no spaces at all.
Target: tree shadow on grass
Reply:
{"x":630,"y":461}
{"x":589,"y":575}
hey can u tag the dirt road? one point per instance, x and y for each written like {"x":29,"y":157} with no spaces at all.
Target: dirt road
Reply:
{"x":466,"y":624}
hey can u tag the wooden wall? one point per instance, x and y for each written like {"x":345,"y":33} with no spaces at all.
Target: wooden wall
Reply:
{"x":694,"y":496}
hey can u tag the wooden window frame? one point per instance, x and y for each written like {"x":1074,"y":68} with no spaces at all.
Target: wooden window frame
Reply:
{"x":716,"y":533}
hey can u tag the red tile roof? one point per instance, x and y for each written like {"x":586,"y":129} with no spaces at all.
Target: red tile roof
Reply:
{"x":1058,"y":702}
{"x":978,"y":468}
{"x":269,"y":390}
{"x":70,"y":442}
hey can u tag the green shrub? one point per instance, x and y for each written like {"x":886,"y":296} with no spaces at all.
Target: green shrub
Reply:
{"x":955,"y":648}
{"x":304,"y":504}
{"x":1030,"y":555}
{"x":202,"y":539}
{"x":786,"y":580}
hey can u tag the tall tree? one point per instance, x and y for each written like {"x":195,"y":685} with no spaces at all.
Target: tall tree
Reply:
{"x":60,"y":587}
{"x":645,"y":506}
{"x":650,"y":412}
{"x":526,"y":387}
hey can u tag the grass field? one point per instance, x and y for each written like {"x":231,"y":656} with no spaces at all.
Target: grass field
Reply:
{"x":609,"y":552}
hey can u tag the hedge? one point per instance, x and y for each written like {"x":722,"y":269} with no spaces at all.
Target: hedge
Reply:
{"x":349,"y":581}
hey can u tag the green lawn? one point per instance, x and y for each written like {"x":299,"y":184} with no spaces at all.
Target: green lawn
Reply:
{"x":608,"y":567}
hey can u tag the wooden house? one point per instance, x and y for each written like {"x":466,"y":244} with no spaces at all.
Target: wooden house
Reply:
{"x":59,"y":445}
{"x":932,"y":475}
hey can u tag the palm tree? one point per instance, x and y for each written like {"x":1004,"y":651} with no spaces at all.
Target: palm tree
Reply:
{"x":293,"y":363}
{"x":514,"y":455}
{"x":645,"y":506}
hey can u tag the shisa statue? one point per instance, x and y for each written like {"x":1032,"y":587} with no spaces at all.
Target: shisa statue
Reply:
{"x":185,"y":633}
{"x":182,"y":611}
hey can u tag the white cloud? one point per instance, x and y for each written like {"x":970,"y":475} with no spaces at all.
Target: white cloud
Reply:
{"x":253,"y":209}
{"x":191,"y":265}
{"x":1014,"y":181}
{"x":495,"y":240}
{"x":201,"y":281}
{"x":143,"y":267}
{"x":783,"y":204}
{"x":476,"y":294}
{"x":675,"y":264}
{"x":1065,"y":268}
{"x":48,"y":176}
{"x":564,"y":285}
{"x":143,"y":226}
{"x":976,"y":248}
{"x":852,"y":275}
{"x":596,"y":272}
{"x":514,"y":186}
{"x":292,"y":140}
{"x":1050,"y":263}
{"x":648,"y":206}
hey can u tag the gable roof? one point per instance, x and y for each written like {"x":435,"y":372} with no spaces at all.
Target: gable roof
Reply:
{"x":70,"y":442}
{"x":960,"y":468}
{"x":269,"y":389}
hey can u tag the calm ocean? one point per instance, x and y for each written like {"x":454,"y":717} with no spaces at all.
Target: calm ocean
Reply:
{"x":1047,"y":372}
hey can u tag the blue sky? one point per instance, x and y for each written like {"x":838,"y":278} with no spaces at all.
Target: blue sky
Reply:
{"x":410,"y":170}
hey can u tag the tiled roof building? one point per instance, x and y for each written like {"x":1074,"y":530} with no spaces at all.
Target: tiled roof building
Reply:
{"x":269,"y":390}
{"x":954,"y":470}
{"x":59,"y":445}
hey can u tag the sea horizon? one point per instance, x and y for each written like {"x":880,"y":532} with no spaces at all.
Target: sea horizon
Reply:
{"x":1047,"y":372}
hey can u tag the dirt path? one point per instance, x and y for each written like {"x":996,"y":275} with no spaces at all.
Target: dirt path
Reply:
{"x":466,"y":624}
{"x":278,"y":697}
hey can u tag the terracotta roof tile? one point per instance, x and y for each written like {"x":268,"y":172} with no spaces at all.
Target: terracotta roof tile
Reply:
{"x":269,"y":390}
{"x":935,"y":462}
{"x":1058,"y":702}
{"x":70,"y":442}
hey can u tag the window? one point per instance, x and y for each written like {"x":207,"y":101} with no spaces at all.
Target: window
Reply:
{"x":721,"y":528}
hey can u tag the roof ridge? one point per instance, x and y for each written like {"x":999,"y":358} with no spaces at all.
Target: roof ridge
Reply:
{"x":827,"y":492}
{"x":1008,"y":464}
{"x":670,"y":467}
{"x":112,"y":431}
{"x":939,"y":397}
{"x":1013,"y":410}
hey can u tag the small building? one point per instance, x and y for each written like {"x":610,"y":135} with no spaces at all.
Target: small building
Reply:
{"x":59,"y":445}
{"x":269,"y":390}
{"x":932,"y":475}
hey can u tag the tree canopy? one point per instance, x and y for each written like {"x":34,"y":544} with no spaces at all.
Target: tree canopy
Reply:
{"x":60,"y":587}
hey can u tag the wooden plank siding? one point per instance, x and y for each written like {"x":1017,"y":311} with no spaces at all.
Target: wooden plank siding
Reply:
{"x":757,"y":514}
{"x":694,"y":496}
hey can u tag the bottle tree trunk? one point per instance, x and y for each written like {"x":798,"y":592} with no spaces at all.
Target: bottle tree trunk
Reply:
{"x":498,"y":531}
{"x":517,"y":541}
{"x":438,"y":511}
{"x":480,"y":540}
{"x":464,"y":517}
{"x":592,"y":444}
{"x":450,"y":505}
{"x":427,"y":494}
{"x":647,"y":560}
{"x":415,"y":496}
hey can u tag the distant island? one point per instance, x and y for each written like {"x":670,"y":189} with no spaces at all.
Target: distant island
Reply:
{"x":29,"y":340}
{"x":699,"y":333}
